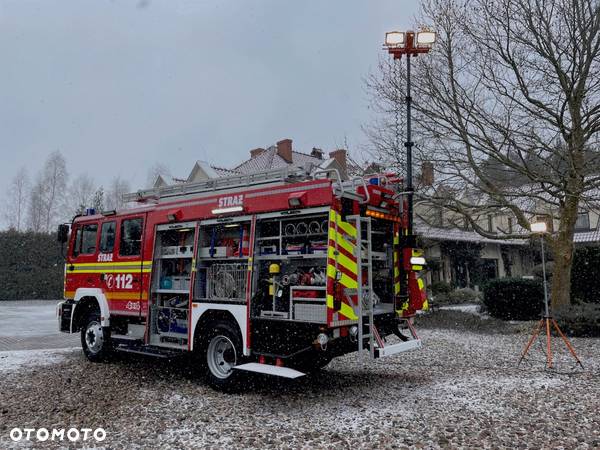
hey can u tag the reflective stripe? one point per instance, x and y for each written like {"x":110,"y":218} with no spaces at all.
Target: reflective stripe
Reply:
{"x":121,"y":263}
{"x":343,"y":260}
{"x":339,"y":238}
{"x":125,"y":295}
{"x":345,"y":280}
{"x":345,"y":309}
{"x":112,"y":270}
{"x":345,"y":226}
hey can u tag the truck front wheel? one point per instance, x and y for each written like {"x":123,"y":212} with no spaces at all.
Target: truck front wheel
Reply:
{"x":95,"y":339}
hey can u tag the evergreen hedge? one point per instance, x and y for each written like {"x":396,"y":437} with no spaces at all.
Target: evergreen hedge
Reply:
{"x":514,"y":298}
{"x":31,"y":266}
{"x":585,"y":282}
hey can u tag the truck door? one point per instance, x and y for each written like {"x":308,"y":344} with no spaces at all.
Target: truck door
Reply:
{"x":81,"y":262}
{"x":124,"y":282}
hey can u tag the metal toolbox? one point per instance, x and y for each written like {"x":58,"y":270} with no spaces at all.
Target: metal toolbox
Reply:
{"x":310,"y":313}
{"x":180,"y":282}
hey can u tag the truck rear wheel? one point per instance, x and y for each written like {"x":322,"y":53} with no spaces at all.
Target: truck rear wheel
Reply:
{"x":221,"y":352}
{"x":95,"y":339}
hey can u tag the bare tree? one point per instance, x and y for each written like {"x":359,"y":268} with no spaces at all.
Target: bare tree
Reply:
{"x":54,"y":178}
{"x":16,"y":205}
{"x":35,"y":216}
{"x":158,"y":169}
{"x":511,"y":85}
{"x":98,"y":199}
{"x":81,"y":194}
{"x":114,"y":195}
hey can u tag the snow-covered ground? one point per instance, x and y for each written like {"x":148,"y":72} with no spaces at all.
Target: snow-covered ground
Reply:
{"x":467,"y":308}
{"x":462,"y":390}
{"x":22,"y":360}
{"x":31,"y":325}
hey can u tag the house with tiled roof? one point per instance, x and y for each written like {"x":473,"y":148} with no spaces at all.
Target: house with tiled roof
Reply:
{"x":276,"y":156}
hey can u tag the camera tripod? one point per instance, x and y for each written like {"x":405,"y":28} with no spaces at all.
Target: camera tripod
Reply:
{"x":547,"y":321}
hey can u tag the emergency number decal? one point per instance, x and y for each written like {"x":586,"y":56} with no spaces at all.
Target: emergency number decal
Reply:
{"x":232,"y":200}
{"x":120,"y":281}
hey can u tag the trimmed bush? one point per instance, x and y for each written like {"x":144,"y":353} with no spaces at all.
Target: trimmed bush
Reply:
{"x":514,"y":298}
{"x":440,"y":287}
{"x":579,"y":320}
{"x":464,"y":295}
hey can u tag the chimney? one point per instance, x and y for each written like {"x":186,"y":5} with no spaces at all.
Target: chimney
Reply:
{"x":257,"y":151}
{"x":317,"y":153}
{"x":284,"y":149}
{"x":427,"y":173}
{"x":340,"y":156}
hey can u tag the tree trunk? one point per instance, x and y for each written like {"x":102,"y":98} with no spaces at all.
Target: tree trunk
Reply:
{"x":562,"y":248}
{"x":561,"y":275}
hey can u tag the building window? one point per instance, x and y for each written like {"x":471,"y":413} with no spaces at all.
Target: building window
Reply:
{"x":583,"y":221}
{"x":85,"y":240}
{"x":490,"y":224}
{"x":131,"y":237}
{"x":107,"y":237}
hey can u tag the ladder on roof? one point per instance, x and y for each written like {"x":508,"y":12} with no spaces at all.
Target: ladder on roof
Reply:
{"x":285,"y":174}
{"x":364,"y":290}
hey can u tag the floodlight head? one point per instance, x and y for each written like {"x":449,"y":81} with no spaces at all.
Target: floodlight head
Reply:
{"x":426,"y":38}
{"x":539,"y":227}
{"x":395,"y":39}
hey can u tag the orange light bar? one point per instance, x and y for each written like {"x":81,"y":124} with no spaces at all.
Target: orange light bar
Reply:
{"x":380,"y":215}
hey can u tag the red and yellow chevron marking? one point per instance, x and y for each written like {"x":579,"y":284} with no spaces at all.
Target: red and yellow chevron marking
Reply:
{"x":396,"y":263}
{"x":342,"y":268}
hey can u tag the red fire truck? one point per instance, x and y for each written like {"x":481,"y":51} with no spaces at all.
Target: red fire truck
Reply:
{"x":274,"y":272}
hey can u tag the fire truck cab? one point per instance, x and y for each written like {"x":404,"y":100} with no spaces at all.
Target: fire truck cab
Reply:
{"x":275,"y":272}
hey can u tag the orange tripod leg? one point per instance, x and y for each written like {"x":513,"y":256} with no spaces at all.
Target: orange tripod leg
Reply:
{"x":567,"y":343}
{"x":548,"y":344}
{"x":535,"y":335}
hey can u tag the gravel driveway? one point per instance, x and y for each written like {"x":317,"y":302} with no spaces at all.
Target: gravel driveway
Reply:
{"x":462,"y":390}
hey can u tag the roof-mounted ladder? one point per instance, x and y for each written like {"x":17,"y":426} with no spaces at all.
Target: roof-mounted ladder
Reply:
{"x":286,"y":174}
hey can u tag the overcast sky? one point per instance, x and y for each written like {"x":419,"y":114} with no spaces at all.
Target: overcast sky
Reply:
{"x":118,"y":85}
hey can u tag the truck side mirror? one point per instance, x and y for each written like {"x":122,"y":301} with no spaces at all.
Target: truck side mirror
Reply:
{"x":63,"y":233}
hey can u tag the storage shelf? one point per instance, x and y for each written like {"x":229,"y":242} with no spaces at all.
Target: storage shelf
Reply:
{"x":308,"y":256}
{"x":291,"y":236}
{"x":223,"y":258}
{"x":174,"y":257}
{"x":172,"y":291}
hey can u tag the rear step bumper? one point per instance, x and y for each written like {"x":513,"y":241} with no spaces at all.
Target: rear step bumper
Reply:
{"x":268,"y":369}
{"x":390,"y":350}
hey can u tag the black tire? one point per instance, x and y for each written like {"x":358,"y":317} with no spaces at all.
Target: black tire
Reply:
{"x":95,"y":339}
{"x":220,"y":350}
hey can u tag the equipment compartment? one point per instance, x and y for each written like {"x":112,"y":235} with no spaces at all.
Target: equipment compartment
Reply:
{"x":290,"y":274}
{"x":222,"y":267}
